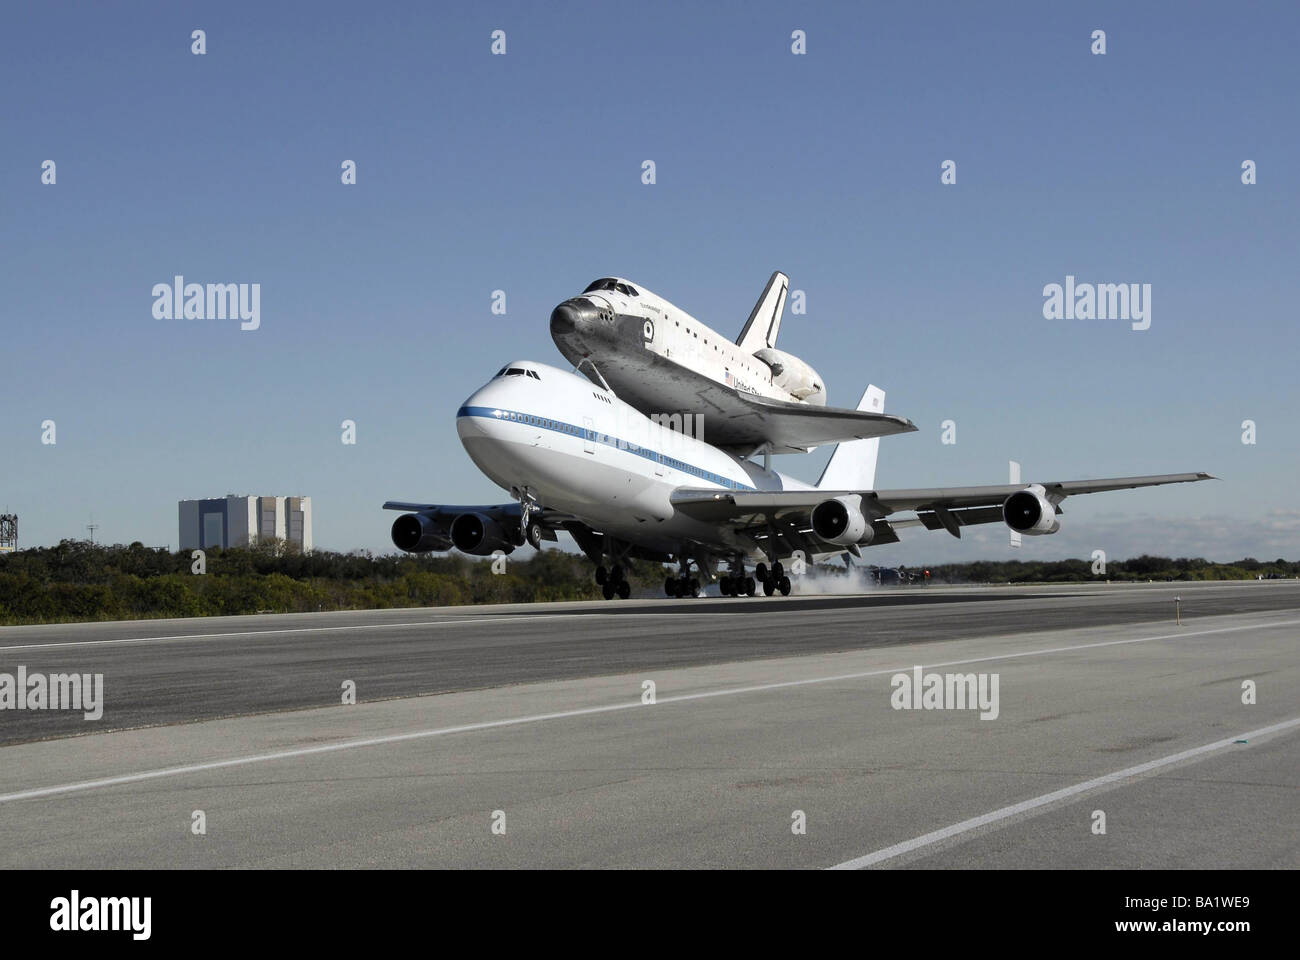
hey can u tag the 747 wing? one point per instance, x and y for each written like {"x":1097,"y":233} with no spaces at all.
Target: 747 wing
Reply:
{"x":811,"y":519}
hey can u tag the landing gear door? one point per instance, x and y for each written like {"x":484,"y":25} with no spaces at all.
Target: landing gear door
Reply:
{"x":588,"y":435}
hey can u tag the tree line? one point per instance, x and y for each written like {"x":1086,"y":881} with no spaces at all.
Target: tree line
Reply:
{"x":78,"y":580}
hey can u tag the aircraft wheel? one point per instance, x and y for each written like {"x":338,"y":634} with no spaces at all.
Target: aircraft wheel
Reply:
{"x":608,"y":590}
{"x":670,"y":587}
{"x":778,"y":571}
{"x":769,"y":587}
{"x":784,"y":586}
{"x":751,"y":588}
{"x":693,"y":587}
{"x":760,"y":573}
{"x":534,"y":535}
{"x":601,"y":576}
{"x":724,"y":586}
{"x":616,"y":573}
{"x":624,"y":589}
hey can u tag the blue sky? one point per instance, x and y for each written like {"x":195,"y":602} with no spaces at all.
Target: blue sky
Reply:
{"x":522,"y":172}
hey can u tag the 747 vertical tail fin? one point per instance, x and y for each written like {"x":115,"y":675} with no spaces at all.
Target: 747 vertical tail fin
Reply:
{"x":852,"y":466}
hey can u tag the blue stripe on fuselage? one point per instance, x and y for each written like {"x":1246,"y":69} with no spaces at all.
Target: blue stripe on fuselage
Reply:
{"x":594,"y":436}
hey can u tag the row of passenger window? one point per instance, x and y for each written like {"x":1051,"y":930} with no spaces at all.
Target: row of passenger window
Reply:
{"x":624,"y":445}
{"x":542,"y":422}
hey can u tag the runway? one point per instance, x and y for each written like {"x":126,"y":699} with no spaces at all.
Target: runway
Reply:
{"x":763,"y":708}
{"x":172,"y":671}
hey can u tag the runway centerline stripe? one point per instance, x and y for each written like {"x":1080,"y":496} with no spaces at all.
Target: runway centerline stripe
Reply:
{"x":589,"y":711}
{"x":925,"y":840}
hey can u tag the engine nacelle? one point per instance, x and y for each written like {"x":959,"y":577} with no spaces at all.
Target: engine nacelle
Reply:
{"x":416,"y":533}
{"x":479,"y":535}
{"x":1028,"y":511}
{"x":840,"y":521}
{"x":794,"y":376}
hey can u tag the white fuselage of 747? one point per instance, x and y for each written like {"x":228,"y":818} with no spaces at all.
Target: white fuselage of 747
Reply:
{"x":579,"y":449}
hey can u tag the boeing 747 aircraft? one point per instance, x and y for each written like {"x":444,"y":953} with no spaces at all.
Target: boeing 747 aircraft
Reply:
{"x":575,"y":457}
{"x":661,"y":360}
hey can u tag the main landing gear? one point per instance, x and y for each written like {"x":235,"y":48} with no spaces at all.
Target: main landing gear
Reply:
{"x":773,"y":580}
{"x":613,"y":583}
{"x":683,"y":585}
{"x":735,"y":583}
{"x":738,"y":587}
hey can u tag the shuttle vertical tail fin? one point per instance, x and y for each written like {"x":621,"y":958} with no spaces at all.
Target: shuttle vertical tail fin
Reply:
{"x":765,"y":319}
{"x":853,"y":464}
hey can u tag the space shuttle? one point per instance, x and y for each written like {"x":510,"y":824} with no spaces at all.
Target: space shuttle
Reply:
{"x":753,"y":398}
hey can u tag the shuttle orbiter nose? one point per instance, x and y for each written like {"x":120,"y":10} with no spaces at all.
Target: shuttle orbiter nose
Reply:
{"x":572,"y":314}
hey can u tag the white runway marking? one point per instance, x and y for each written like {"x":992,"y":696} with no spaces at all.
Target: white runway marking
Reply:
{"x":258,"y":633}
{"x":591,"y":711}
{"x":451,"y":621}
{"x":925,"y":840}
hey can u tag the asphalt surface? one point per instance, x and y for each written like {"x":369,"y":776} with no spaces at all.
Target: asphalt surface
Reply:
{"x":1105,"y":707}
{"x":173,"y":671}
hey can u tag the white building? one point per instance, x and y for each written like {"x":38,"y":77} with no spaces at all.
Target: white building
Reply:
{"x":232,"y":521}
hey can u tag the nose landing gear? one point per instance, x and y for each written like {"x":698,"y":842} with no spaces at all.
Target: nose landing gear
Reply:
{"x":530,"y":527}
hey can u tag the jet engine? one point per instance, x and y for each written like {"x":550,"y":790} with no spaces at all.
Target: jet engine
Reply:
{"x":479,"y":535}
{"x":1028,"y":511}
{"x":840,"y":521}
{"x":794,"y":376}
{"x":416,"y":533}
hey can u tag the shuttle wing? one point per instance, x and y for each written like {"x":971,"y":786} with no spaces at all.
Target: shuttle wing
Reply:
{"x":733,"y":419}
{"x":743,"y":421}
{"x":740,"y":422}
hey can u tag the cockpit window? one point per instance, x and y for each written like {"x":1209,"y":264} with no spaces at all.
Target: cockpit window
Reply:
{"x":533,"y":374}
{"x":609,"y":283}
{"x":501,"y":372}
{"x":516,"y":372}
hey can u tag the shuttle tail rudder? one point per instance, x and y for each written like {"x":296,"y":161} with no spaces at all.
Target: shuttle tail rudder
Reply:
{"x":765,"y":319}
{"x":852,"y":465}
